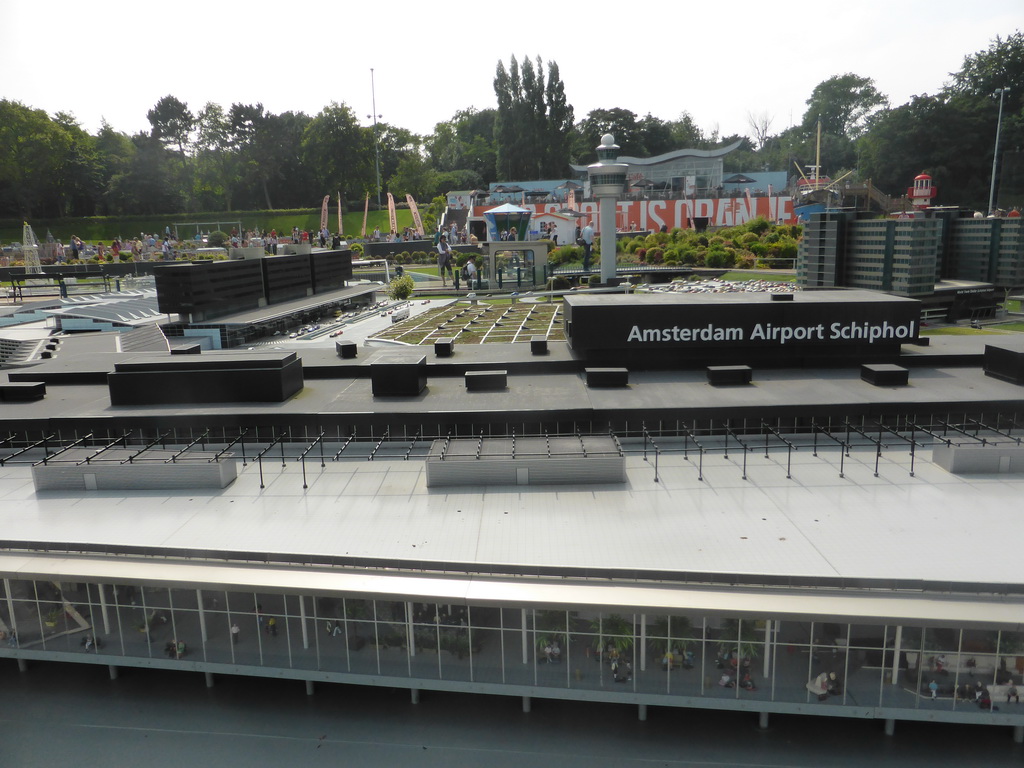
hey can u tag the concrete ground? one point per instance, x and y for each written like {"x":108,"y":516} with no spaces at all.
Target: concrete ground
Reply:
{"x":60,"y":714}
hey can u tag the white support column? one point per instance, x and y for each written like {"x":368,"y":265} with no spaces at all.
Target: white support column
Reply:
{"x":762,"y":720}
{"x":641,"y":712}
{"x":767,"y":651}
{"x":410,"y":638}
{"x":202,"y":616}
{"x":103,"y":610}
{"x":10,"y":606}
{"x":415,"y":695}
{"x":302,"y":622}
{"x":309,"y":687}
{"x":1018,"y":734}
{"x":643,"y":643}
{"x":112,"y":670}
{"x":209,"y":679}
{"x":890,"y":727}
{"x":526,"y":703}
{"x":23,"y":666}
{"x":608,"y":206}
{"x":525,"y":634}
{"x":896,"y":655}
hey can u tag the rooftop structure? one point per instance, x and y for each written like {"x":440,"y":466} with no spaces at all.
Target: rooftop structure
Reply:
{"x":708,"y":545}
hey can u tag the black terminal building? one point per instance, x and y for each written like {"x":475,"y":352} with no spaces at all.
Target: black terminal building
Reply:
{"x":757,"y":329}
{"x":205,"y":290}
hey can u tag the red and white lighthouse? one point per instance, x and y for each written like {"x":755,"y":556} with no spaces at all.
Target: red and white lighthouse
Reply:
{"x":922,"y":192}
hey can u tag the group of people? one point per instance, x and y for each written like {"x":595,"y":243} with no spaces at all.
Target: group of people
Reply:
{"x":456,"y":235}
{"x":405,"y":236}
{"x":175,"y":649}
{"x":144,"y":245}
{"x":549,"y":231}
{"x":552,"y":652}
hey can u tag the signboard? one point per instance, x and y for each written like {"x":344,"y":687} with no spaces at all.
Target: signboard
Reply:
{"x":818,"y":320}
{"x":652,"y":215}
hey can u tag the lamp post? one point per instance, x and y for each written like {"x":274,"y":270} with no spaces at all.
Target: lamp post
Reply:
{"x":376,"y":137}
{"x":1000,"y":92}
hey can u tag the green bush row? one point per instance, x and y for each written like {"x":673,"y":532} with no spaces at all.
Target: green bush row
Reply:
{"x":95,"y":229}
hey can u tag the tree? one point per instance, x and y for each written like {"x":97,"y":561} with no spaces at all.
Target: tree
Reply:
{"x":147,"y":183}
{"x":534,"y":121}
{"x":1000,"y":66}
{"x":948,"y":138}
{"x":760,"y":125}
{"x":559,"y":125}
{"x":621,"y":123}
{"x":413,"y":177}
{"x":395,"y":145}
{"x":843,"y":103}
{"x":172,"y":124}
{"x":339,"y":153}
{"x":32,"y":150}
{"x":115,"y":152}
{"x":217,"y":165}
{"x":465,"y":143}
{"x":77,"y":183}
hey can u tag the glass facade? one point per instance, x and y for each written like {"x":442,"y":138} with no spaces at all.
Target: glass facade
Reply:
{"x":668,"y":657}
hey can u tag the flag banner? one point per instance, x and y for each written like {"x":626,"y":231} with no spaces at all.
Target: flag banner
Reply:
{"x":323,"y":213}
{"x":392,"y":216}
{"x":366,"y":215}
{"x":341,"y":227}
{"x":416,"y":221}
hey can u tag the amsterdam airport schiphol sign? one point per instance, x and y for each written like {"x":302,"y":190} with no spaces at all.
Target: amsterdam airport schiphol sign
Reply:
{"x":840,"y":318}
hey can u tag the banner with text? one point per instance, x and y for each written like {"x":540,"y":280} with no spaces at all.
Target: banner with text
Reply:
{"x":644,"y":215}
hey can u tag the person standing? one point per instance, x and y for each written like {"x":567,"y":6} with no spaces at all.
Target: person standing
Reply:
{"x":444,"y":260}
{"x":587,"y":238}
{"x":469,"y":272}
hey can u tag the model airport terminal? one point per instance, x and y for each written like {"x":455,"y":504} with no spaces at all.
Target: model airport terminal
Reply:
{"x":774,"y":503}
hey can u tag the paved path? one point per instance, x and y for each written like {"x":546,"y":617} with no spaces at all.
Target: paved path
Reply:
{"x":58,"y":714}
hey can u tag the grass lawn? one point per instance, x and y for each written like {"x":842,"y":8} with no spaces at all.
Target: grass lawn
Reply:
{"x":487,"y":322}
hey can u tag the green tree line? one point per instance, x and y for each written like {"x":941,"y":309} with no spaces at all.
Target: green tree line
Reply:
{"x":245,"y":157}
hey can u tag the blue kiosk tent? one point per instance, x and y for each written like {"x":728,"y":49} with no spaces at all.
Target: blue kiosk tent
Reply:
{"x":504,"y":218}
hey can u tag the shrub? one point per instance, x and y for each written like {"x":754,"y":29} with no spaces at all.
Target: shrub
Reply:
{"x":218,"y":239}
{"x":787,"y":248}
{"x":357,"y":248}
{"x":565,"y":254}
{"x":401,"y":288}
{"x":758,"y":225}
{"x":558,"y":283}
{"x":715,"y":259}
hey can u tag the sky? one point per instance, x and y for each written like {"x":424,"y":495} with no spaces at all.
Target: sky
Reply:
{"x":720,"y":62}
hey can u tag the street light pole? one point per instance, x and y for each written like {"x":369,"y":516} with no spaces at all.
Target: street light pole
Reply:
{"x":376,"y":136}
{"x":1000,"y":92}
